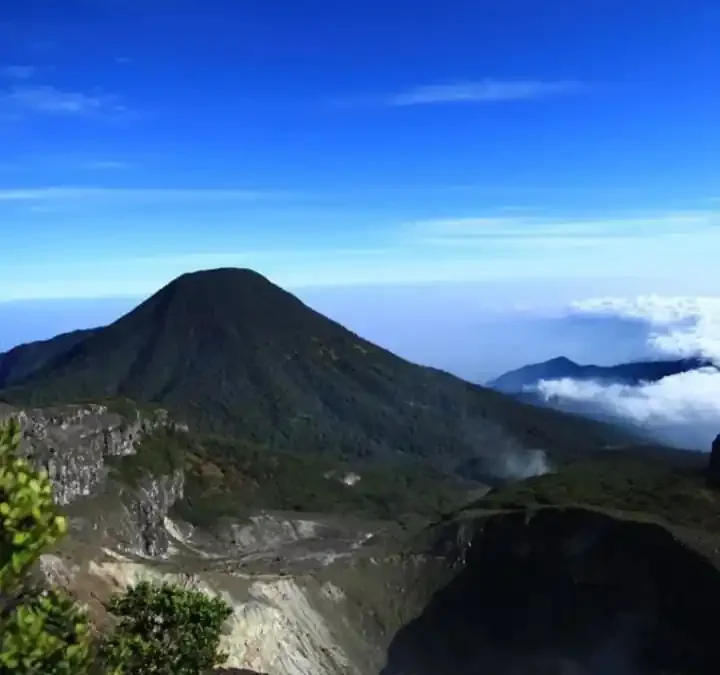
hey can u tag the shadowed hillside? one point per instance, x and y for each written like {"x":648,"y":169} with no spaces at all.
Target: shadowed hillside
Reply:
{"x":231,"y":353}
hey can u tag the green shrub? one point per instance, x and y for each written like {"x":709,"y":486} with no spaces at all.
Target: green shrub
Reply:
{"x":164,"y":629}
{"x":41,"y":631}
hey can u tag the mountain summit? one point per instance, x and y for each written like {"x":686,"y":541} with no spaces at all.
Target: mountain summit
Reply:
{"x":231,"y":353}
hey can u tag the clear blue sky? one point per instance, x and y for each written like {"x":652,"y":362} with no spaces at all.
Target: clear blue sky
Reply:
{"x":329,"y":142}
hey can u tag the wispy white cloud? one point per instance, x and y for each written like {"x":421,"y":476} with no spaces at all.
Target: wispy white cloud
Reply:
{"x":466,"y":231}
{"x":484,"y":91}
{"x":18,"y":72}
{"x":90,"y":193}
{"x":61,"y":162}
{"x":103,"y":164}
{"x":20,"y":100}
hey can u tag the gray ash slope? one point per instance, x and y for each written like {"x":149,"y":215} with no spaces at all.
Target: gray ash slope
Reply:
{"x":230,"y":353}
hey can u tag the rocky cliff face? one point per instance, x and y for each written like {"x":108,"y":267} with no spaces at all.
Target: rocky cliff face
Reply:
{"x":72,"y":442}
{"x":148,"y":508}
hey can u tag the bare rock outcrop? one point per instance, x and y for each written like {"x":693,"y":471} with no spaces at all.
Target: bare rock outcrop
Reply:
{"x":72,"y":442}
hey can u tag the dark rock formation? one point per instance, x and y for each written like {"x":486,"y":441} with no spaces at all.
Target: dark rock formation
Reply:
{"x":565,"y":591}
{"x":713,"y":472}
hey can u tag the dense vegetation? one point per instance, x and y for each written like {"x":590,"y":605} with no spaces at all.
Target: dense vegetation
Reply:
{"x":226,"y":477}
{"x":164,"y":629}
{"x":232,"y":354}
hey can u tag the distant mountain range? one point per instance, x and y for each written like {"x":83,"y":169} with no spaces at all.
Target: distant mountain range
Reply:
{"x":527,"y":378}
{"x":232,"y":354}
{"x":523,"y":385}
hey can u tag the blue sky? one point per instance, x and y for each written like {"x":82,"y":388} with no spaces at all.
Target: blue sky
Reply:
{"x":336,"y":144}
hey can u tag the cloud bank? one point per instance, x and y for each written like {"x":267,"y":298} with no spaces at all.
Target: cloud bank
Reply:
{"x":679,"y":326}
{"x":684,"y":408}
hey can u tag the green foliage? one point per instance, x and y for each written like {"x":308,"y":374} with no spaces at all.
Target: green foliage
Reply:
{"x":165,"y":629}
{"x":41,"y":632}
{"x":231,"y":478}
{"x":46,"y":634}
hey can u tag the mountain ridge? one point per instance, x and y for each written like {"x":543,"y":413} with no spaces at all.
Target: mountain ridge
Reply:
{"x":629,"y":373}
{"x":230,"y":353}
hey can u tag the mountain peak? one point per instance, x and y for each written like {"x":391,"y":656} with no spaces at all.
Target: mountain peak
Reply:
{"x":235,"y":275}
{"x":515,"y":380}
{"x":221,"y":283}
{"x":560,"y":361}
{"x":218,"y":301}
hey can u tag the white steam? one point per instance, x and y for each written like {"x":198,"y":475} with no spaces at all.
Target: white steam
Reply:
{"x":683,"y":408}
{"x":519,"y":465}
